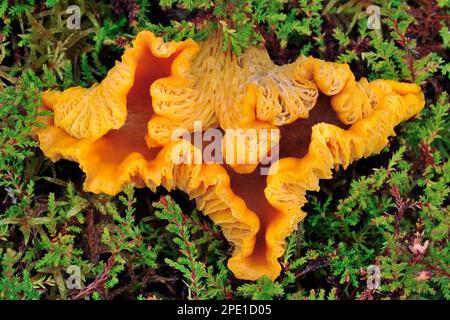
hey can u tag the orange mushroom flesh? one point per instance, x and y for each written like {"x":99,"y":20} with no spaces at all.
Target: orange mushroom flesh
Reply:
{"x":294,"y":142}
{"x":265,"y":96}
{"x":117,"y":144}
{"x":295,"y":137}
{"x":103,"y":129}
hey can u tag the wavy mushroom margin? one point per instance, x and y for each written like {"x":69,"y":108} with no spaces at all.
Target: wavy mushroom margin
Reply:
{"x":70,"y":136}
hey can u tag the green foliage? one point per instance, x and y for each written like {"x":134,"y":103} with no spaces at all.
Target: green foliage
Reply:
{"x":245,"y":22}
{"x":391,"y":52}
{"x":432,"y":128}
{"x":193,"y":271}
{"x":395,"y":217}
{"x":200,"y":278}
{"x":394,"y":58}
{"x":406,"y":238}
{"x":62,"y":46}
{"x":12,"y":285}
{"x":263,"y":289}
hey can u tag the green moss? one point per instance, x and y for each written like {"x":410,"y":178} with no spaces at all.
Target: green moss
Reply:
{"x":395,"y":216}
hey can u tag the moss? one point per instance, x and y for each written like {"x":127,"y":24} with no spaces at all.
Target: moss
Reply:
{"x":394,"y":216}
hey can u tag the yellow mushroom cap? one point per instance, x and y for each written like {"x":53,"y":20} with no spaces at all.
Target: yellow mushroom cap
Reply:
{"x":120,"y":132}
{"x":104,"y":127}
{"x":105,"y":130}
{"x":326,"y":119}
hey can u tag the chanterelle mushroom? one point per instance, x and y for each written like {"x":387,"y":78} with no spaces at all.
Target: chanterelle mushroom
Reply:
{"x":325,"y":117}
{"x":104,"y":127}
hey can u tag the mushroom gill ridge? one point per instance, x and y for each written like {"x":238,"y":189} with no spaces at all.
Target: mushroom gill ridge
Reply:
{"x":352,"y":120}
{"x":121,"y":131}
{"x":104,"y":129}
